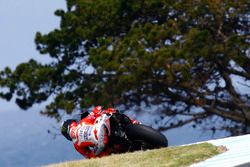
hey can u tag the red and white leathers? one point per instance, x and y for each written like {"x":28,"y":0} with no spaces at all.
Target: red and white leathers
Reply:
{"x":89,"y":137}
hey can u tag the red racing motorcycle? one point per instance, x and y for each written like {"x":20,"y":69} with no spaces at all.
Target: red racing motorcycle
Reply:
{"x":125,"y":136}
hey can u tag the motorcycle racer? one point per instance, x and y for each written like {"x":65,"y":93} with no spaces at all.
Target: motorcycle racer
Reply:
{"x":90,"y":137}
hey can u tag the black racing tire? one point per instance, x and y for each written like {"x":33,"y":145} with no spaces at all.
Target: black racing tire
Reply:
{"x":146,"y":135}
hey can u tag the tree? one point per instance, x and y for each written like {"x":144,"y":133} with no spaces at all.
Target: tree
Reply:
{"x":180,"y":56}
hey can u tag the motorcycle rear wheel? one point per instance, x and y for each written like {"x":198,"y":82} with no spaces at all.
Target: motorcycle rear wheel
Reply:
{"x":146,"y":137}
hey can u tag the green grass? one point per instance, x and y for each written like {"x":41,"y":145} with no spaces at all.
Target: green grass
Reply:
{"x":172,"y":156}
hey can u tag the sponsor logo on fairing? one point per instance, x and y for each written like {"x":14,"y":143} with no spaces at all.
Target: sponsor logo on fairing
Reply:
{"x":85,"y":132}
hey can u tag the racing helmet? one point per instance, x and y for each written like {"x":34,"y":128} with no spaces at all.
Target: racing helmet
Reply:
{"x":65,"y":128}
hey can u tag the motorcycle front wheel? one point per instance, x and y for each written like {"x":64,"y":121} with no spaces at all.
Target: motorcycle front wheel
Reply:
{"x":145,"y":136}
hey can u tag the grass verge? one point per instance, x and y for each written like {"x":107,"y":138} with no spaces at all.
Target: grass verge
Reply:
{"x":172,"y":156}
